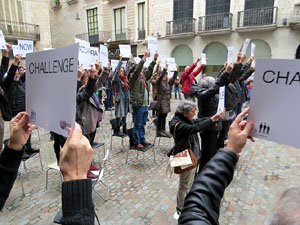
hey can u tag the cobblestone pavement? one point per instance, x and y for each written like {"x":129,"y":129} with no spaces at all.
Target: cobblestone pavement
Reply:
{"x":141,"y":193}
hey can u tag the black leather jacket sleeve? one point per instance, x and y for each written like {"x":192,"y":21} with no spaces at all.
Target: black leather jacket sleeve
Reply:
{"x":87,"y":91}
{"x":77,"y":202}
{"x":9,"y":165}
{"x":4,"y":66}
{"x":202,"y":204}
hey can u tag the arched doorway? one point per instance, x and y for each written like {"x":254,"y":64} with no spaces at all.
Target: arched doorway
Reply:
{"x":183,"y":55}
{"x":262,"y":49}
{"x":216,"y":53}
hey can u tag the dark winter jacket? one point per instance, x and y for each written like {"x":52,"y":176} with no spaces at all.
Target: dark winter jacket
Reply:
{"x":202,"y":203}
{"x":4,"y":104}
{"x":163,"y":92}
{"x":14,"y":90}
{"x":136,"y":83}
{"x":186,"y":133}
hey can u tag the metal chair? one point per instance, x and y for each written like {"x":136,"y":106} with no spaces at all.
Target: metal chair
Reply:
{"x":100,"y":174}
{"x":113,"y":126}
{"x":51,"y":161}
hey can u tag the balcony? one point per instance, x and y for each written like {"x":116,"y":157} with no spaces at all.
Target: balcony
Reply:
{"x":15,"y":31}
{"x":258,"y":19}
{"x":106,"y":36}
{"x":141,"y":34}
{"x":181,"y":27}
{"x":215,"y":24}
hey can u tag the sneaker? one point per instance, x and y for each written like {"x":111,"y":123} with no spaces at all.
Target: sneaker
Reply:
{"x":91,"y":175}
{"x":94,"y":167}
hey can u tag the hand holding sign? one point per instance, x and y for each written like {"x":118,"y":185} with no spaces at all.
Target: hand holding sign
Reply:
{"x":229,"y":67}
{"x":80,"y":72}
{"x":147,"y":54}
{"x":197,"y":60}
{"x":98,"y":66}
{"x":250,"y":60}
{"x":155,"y":55}
{"x":2,"y":41}
{"x":92,"y":71}
{"x":6,"y":51}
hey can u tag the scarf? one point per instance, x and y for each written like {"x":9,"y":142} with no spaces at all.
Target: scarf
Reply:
{"x":141,"y":77}
{"x":123,"y":77}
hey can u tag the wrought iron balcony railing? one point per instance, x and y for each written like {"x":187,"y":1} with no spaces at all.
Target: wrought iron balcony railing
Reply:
{"x":181,"y":26}
{"x":257,"y":17}
{"x":141,"y":34}
{"x":13,"y":30}
{"x":215,"y":22}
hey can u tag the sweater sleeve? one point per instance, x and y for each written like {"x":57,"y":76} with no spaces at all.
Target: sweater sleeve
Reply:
{"x":195,"y":73}
{"x":77,"y":202}
{"x":86,"y":92}
{"x":202,"y":204}
{"x":9,"y":165}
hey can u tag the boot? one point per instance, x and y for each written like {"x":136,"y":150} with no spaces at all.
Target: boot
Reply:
{"x":119,"y":133}
{"x":160,"y":133}
{"x":165,"y":133}
{"x":124,"y":129}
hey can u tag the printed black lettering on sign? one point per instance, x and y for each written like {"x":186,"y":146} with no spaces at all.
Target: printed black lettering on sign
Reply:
{"x":94,"y":53}
{"x":280,"y":77}
{"x":25,"y":47}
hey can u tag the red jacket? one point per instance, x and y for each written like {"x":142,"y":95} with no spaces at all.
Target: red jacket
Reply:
{"x":188,"y":76}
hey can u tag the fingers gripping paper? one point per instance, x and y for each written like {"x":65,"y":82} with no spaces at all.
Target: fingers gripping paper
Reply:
{"x":51,"y":88}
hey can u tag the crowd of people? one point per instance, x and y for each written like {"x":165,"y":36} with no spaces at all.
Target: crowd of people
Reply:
{"x":200,"y":188}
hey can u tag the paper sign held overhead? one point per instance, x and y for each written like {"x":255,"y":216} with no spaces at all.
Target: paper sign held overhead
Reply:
{"x":152,"y":44}
{"x":245,"y":46}
{"x":230,"y":55}
{"x":172,"y":64}
{"x":25,"y":47}
{"x":275,"y":105}
{"x":51,"y":88}
{"x":46,"y":49}
{"x":170,"y":74}
{"x":114,"y":63}
{"x":203,"y":59}
{"x":137,"y":59}
{"x":84,"y":55}
{"x":253,"y":49}
{"x":221,"y":104}
{"x":15,"y":49}
{"x":124,"y":64}
{"x":104,"y":55}
{"x":125,"y":51}
{"x":94,"y":51}
{"x":2,"y":41}
{"x":148,"y":61}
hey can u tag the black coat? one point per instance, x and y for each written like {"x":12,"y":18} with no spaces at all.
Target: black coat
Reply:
{"x":186,"y":133}
{"x":202,"y":203}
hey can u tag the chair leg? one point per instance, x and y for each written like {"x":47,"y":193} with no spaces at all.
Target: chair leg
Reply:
{"x":122,"y":142}
{"x":107,"y":189}
{"x":154,"y":154}
{"x":22,"y":185}
{"x":111,"y":136}
{"x":47,"y":178}
{"x":137,"y":154}
{"x":25,"y":168}
{"x":41,"y":161}
{"x":127,"y":156}
{"x":100,"y":195}
{"x":154,"y":139}
{"x":104,"y":150}
{"x":38,"y":133}
{"x":158,"y":141}
{"x":61,"y":178}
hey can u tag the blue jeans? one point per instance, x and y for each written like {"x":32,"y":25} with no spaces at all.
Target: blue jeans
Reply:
{"x":140,"y":120}
{"x":108,"y":100}
{"x":177,"y":89}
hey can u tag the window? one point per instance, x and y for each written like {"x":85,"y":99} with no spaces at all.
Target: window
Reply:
{"x":217,"y":14}
{"x":120,"y":30}
{"x":217,"y":6}
{"x":256,"y":4}
{"x":92,"y":18}
{"x":141,"y":20}
{"x":183,"y":16}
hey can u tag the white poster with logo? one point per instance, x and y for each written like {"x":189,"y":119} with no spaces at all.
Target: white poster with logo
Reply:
{"x":125,"y":50}
{"x":172,"y":64}
{"x":51,"y":80}
{"x":253,"y":49}
{"x":275,"y":105}
{"x":84,"y":55}
{"x":25,"y":47}
{"x":152,"y":44}
{"x":2,"y":41}
{"x":15,"y":49}
{"x":104,"y":55}
{"x":230,"y":55}
{"x":203,"y":59}
{"x":148,"y":61}
{"x":221,"y":104}
{"x":114,"y":63}
{"x":94,"y":54}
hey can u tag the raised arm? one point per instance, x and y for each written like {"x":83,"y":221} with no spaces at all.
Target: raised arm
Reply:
{"x":196,"y":73}
{"x":138,"y":69}
{"x":7,"y":81}
{"x":148,"y":73}
{"x":4,"y":61}
{"x":116,"y":74}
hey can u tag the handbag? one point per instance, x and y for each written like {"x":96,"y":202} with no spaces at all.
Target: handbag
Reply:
{"x":184,"y":160}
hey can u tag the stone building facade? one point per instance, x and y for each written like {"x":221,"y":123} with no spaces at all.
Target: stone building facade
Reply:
{"x":187,"y":28}
{"x":27,"y":20}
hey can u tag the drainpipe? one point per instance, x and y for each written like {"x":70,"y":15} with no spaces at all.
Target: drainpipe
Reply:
{"x":148,"y":16}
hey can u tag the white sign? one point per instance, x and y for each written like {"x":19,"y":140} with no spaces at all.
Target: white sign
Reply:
{"x":252,"y":49}
{"x":25,"y":47}
{"x":16,"y":50}
{"x":172,"y":64}
{"x":124,"y":64}
{"x":275,"y":105}
{"x":230,"y":55}
{"x":253,"y":63}
{"x":84,"y":55}
{"x":114,"y":63}
{"x":148,"y":61}
{"x":125,"y":50}
{"x":152,"y":44}
{"x":170,"y":74}
{"x":137,"y":59}
{"x":2,"y":41}
{"x":203,"y":59}
{"x":51,"y":88}
{"x":221,"y":104}
{"x":104,"y":55}
{"x":245,"y":46}
{"x":94,"y":54}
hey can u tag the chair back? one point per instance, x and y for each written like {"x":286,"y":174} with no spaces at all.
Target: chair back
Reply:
{"x":113,"y":123}
{"x":49,"y":153}
{"x":105,"y":157}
